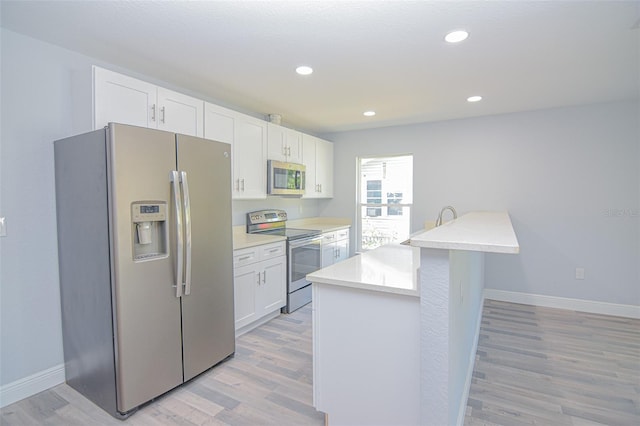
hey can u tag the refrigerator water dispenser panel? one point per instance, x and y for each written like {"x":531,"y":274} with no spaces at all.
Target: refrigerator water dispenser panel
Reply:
{"x":149,"y":232}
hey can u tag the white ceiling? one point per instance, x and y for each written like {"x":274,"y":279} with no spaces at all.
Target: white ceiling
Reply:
{"x":388,"y":56}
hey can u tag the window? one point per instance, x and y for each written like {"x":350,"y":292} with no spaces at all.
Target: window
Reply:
{"x":374,"y":196}
{"x":385,"y":197}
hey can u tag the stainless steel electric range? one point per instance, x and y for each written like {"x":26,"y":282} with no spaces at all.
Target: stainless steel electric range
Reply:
{"x":303,"y":253}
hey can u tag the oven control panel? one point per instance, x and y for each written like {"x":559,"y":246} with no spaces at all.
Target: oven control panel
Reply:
{"x":266,"y":216}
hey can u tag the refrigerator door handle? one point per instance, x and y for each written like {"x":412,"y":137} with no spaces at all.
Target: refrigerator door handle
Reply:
{"x":187,"y":230}
{"x":175,"y":178}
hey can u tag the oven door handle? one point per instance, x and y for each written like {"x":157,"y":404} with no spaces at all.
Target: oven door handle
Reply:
{"x":305,"y":241}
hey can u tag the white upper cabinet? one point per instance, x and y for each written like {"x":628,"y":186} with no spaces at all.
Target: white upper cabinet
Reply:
{"x":122,"y":99}
{"x":248,"y":137}
{"x":317,"y":156}
{"x":180,"y":113}
{"x":250,"y":158}
{"x":284,"y":144}
{"x":219,"y":123}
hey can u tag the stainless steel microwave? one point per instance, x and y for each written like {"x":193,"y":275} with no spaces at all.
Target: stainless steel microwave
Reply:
{"x":285,"y":178}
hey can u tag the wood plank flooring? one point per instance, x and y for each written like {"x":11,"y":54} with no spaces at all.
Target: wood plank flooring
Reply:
{"x":548,"y":366}
{"x":268,"y":382}
{"x":533,"y":366}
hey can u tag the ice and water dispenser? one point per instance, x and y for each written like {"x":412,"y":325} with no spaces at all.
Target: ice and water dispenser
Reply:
{"x":149,"y":230}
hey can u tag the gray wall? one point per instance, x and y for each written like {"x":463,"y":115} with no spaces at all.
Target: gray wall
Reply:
{"x":38,"y":84}
{"x":569,"y":178}
{"x":557,"y":172}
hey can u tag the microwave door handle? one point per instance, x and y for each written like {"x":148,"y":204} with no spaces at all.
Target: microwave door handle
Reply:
{"x":175,"y":179}
{"x":186,"y":203}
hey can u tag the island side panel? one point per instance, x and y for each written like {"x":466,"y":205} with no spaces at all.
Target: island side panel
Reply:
{"x":465,"y":304}
{"x":434,"y":336}
{"x":451,"y":288}
{"x":366,"y":355}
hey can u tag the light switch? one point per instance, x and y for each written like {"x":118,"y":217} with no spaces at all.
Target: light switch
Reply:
{"x":579,"y":273}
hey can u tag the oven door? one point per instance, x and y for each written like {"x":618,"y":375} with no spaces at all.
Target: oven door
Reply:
{"x":305,"y":257}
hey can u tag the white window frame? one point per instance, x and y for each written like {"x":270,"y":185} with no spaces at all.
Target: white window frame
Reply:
{"x":384,"y":206}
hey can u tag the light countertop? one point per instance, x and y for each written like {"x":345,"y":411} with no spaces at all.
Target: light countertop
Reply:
{"x":323,"y":224}
{"x":391,"y":268}
{"x":243,"y":240}
{"x":485,"y":231}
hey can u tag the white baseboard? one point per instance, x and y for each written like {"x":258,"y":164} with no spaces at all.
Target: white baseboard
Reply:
{"x":628,"y":311}
{"x":31,"y":385}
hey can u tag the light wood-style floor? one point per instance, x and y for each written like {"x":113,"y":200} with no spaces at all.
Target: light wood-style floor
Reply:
{"x":548,"y":366}
{"x":268,"y":382}
{"x":533,"y":366}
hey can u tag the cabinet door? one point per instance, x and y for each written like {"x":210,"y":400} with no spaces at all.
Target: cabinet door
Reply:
{"x":284,"y":144}
{"x":293,"y":142}
{"x":328,"y":254}
{"x":309,"y":160}
{"x":180,"y":113}
{"x":276,"y":149}
{"x":246,"y":282}
{"x":272,"y":292}
{"x":250,"y":158}
{"x":342,"y":250}
{"x":219,"y":123}
{"x":324,"y":168}
{"x":122,"y":99}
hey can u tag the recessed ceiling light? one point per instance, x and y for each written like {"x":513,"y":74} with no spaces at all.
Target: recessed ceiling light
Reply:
{"x":304,"y":70}
{"x":456,"y":36}
{"x":474,"y":98}
{"x":369,"y":113}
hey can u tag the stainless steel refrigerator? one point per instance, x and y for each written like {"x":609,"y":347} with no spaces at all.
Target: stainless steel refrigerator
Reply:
{"x":145,"y":260}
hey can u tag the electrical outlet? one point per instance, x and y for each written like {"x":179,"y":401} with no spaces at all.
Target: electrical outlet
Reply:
{"x":579,"y":273}
{"x":3,"y":227}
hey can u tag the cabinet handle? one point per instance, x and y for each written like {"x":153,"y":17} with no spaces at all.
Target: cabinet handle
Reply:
{"x":289,"y":151}
{"x":273,"y":250}
{"x":244,"y":258}
{"x":258,"y":278}
{"x":162,"y":114}
{"x":153,"y":112}
{"x":242,"y":180}
{"x":320,"y":187}
{"x":264,"y":277}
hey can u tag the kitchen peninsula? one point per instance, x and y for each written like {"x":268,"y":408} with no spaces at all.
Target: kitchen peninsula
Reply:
{"x":396,"y":328}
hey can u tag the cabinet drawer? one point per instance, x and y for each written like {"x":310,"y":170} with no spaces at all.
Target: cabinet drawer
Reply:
{"x":246,"y":256}
{"x":329,"y":237}
{"x":342,"y":234}
{"x":270,"y":251}
{"x":251,"y":255}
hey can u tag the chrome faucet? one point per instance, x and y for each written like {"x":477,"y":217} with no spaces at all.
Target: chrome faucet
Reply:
{"x":455,"y":215}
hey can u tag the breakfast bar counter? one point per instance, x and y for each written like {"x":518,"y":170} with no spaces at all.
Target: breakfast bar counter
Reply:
{"x":366,"y":338}
{"x":395,"y":329}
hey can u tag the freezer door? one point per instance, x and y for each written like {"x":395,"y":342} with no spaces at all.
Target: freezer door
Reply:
{"x":207,"y":306}
{"x":147,"y":311}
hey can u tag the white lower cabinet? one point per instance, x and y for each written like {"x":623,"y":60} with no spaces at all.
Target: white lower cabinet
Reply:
{"x":335,"y":247}
{"x":260,"y":285}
